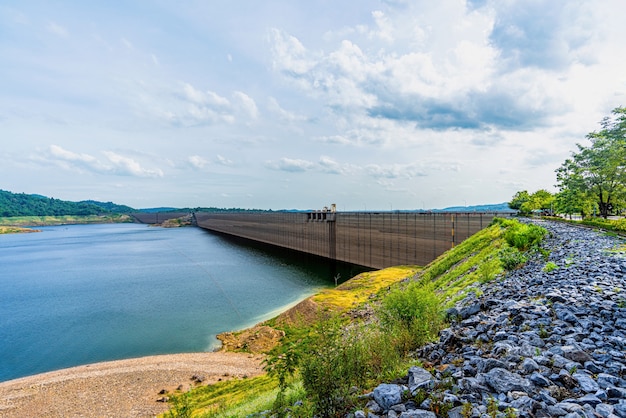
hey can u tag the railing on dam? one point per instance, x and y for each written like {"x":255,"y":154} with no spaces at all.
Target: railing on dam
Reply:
{"x":372,"y":239}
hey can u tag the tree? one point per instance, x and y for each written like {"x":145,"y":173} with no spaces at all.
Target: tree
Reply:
{"x":526,"y":203}
{"x":598,"y":171}
{"x":519,"y":199}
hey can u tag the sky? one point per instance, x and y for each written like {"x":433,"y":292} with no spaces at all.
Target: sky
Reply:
{"x":285,"y":104}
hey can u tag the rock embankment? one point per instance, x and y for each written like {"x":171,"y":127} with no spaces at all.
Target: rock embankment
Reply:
{"x":536,"y":343}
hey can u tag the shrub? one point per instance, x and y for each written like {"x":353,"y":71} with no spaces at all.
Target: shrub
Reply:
{"x":415,"y":312}
{"x":524,"y":237}
{"x":511,"y":258}
{"x":339,"y":360}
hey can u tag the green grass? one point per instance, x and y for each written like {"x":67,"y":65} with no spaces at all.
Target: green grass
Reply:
{"x":550,"y":266}
{"x":233,"y":398}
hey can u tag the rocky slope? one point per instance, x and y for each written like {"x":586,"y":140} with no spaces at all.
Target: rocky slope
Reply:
{"x":536,"y":343}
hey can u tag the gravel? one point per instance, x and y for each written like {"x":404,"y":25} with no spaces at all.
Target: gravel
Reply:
{"x":124,"y":388}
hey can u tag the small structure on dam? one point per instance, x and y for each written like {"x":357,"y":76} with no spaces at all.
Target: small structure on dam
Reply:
{"x":370,"y":239}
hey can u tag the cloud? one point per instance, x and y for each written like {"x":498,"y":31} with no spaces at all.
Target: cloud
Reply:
{"x":395,"y":171}
{"x":57,"y":30}
{"x":197,"y":161}
{"x":127,"y":166}
{"x":485,"y":66}
{"x":290,"y":165}
{"x":113,"y":163}
{"x":246,"y":105}
{"x":549,"y":35}
{"x":223,"y":160}
{"x":198,"y":107}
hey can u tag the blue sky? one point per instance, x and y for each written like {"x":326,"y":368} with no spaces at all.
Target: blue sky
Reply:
{"x":276,"y":104}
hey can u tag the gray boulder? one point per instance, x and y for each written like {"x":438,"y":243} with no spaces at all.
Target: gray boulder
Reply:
{"x":503,"y":381}
{"x":386,"y":395}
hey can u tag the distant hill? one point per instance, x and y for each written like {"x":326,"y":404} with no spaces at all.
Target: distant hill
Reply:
{"x":496,"y":207}
{"x":110,"y":206}
{"x":21,"y":204}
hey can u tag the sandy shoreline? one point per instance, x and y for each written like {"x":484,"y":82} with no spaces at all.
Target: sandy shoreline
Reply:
{"x":121,"y":388}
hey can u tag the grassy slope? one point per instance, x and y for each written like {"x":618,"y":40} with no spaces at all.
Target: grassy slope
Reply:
{"x":453,"y":275}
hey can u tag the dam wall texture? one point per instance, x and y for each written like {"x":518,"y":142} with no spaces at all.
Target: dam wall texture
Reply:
{"x":371,"y":239}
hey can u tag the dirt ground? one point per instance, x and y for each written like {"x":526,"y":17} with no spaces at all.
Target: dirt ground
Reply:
{"x":124,"y":388}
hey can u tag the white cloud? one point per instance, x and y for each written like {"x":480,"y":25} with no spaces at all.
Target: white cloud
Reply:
{"x":114,"y":163}
{"x":395,"y":171}
{"x":246,"y":105}
{"x":197,"y":161}
{"x":290,"y":165}
{"x":223,"y":160}
{"x":127,"y":166}
{"x":57,"y":30}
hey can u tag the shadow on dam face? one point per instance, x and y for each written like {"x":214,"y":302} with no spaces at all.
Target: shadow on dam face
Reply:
{"x":322,"y":268}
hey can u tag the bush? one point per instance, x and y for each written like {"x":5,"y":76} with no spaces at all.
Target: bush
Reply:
{"x":524,"y":237}
{"x":511,"y":258}
{"x":414,"y":313}
{"x":340,"y":360}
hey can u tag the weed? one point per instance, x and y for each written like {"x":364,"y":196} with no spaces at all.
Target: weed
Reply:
{"x":467,"y":410}
{"x":416,"y":310}
{"x":542,"y":332}
{"x":492,"y":407}
{"x":511,"y":258}
{"x":283,"y":366}
{"x":180,"y":406}
{"x":510,"y":412}
{"x":550,"y":266}
{"x":438,"y":405}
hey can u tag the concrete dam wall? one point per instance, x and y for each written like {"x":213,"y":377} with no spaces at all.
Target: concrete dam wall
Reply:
{"x":371,"y":239}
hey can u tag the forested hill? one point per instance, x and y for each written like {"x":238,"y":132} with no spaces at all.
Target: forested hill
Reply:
{"x":21,"y":204}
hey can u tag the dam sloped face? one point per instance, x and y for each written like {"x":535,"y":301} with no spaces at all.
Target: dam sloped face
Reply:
{"x":371,"y":239}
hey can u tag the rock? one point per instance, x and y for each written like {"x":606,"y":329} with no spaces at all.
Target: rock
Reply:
{"x":387,"y":395}
{"x":539,"y":380}
{"x":418,"y":413}
{"x":606,"y":380}
{"x":420,"y":378}
{"x":576,"y":355}
{"x":529,"y":365}
{"x":545,"y":344}
{"x":586,"y":382}
{"x":503,"y":381}
{"x":468,"y":311}
{"x":373,"y":406}
{"x":620,"y":409}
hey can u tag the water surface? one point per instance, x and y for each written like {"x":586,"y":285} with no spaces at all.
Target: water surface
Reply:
{"x":79,"y":294}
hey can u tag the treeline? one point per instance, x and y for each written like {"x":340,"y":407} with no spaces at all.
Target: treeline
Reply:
{"x":21,"y":204}
{"x":593,"y":181}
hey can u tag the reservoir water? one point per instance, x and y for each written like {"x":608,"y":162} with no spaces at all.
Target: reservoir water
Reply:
{"x":79,"y":294}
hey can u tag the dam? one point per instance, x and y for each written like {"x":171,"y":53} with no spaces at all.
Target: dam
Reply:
{"x":371,"y":239}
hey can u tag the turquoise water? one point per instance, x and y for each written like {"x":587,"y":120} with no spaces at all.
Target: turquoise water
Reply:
{"x":79,"y":294}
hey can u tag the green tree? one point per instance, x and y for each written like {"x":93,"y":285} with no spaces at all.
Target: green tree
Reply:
{"x":598,"y":171}
{"x":519,"y":199}
{"x":526,"y":203}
